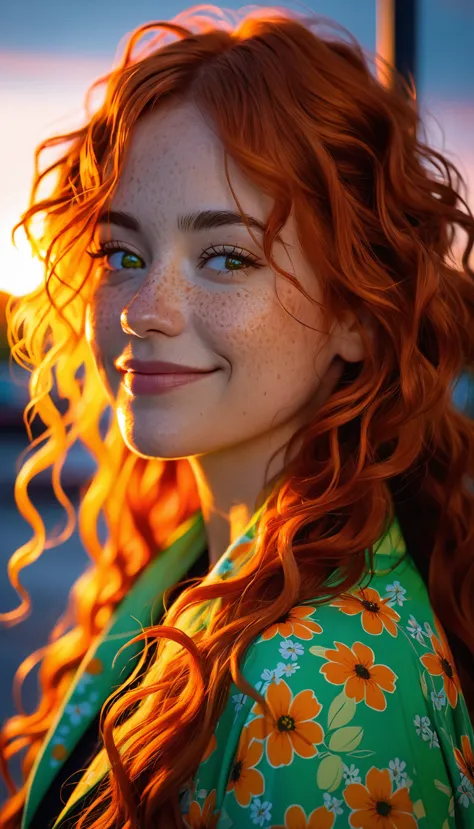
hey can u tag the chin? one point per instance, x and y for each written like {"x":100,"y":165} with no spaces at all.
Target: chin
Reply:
{"x":155,"y":440}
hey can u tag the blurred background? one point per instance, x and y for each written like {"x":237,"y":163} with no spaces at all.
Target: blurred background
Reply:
{"x":50,"y":53}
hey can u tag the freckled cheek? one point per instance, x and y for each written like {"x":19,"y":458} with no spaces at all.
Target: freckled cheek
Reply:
{"x":247,"y":330}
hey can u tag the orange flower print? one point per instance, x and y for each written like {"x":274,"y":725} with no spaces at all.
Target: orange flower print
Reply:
{"x":376,"y":613}
{"x":465,"y":758}
{"x":375,"y":806}
{"x":245,"y":781}
{"x":294,"y":623}
{"x":355,"y":669}
{"x":290,"y":727}
{"x":94,"y":666}
{"x":205,"y":819}
{"x":441,"y":663}
{"x":295,"y":818}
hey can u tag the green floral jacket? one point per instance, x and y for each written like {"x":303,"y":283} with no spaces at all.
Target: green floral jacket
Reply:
{"x":368,"y":725}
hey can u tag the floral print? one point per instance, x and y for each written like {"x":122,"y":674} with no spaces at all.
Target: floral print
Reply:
{"x":362,"y":679}
{"x":366,"y":724}
{"x":398,"y":774}
{"x":376,"y":613}
{"x":296,"y":624}
{"x":396,"y":594}
{"x":441,"y":663}
{"x":77,"y":712}
{"x":198,"y":817}
{"x":376,"y":806}
{"x":465,"y":758}
{"x":59,"y":750}
{"x":320,"y":818}
{"x":290,"y":727}
{"x":423,"y":729}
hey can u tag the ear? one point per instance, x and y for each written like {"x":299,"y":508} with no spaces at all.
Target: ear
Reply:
{"x":347,"y":337}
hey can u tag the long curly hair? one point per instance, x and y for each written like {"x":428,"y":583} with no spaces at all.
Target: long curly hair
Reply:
{"x":377,"y":211}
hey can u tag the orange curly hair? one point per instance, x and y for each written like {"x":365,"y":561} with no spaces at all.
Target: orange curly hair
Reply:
{"x":377,"y":210}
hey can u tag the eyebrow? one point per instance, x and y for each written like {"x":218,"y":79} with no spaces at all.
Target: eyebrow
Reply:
{"x":196,"y":221}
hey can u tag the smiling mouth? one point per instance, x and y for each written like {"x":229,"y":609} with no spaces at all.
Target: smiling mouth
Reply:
{"x":138,"y":383}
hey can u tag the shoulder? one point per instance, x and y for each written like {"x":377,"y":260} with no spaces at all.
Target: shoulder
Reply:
{"x":363,"y":699}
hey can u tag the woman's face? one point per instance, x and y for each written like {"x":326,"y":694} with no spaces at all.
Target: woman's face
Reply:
{"x":173,"y":294}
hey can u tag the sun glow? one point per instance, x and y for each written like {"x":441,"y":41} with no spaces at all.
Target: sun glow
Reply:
{"x":20,"y":271}
{"x":43,"y":96}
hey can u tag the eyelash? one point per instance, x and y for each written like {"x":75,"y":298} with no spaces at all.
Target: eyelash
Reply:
{"x":220,"y":250}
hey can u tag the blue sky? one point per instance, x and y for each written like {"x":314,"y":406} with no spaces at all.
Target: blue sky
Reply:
{"x":446,"y":47}
{"x":51,"y":51}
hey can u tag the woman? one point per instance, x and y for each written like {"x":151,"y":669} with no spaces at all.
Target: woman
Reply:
{"x":250,"y":204}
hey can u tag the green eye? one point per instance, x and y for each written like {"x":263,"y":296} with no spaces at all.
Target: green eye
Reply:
{"x":127,"y":260}
{"x":131,"y":260}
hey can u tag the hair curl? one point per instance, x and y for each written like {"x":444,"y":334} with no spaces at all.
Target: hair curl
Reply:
{"x":377,"y":210}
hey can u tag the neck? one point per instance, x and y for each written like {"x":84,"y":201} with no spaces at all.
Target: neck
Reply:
{"x":231,"y":480}
{"x":229,"y":488}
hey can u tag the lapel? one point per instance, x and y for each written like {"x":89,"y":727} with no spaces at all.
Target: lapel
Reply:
{"x":99,"y":673}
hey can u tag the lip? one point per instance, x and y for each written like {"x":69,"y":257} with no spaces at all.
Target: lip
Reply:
{"x":158,"y":367}
{"x":137,"y":383}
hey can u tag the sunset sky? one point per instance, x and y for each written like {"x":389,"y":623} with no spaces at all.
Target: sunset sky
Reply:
{"x":51,"y":52}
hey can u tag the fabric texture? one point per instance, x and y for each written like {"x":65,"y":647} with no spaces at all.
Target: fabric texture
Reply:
{"x":368,"y":725}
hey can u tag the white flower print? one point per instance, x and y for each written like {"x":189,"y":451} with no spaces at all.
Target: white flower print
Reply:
{"x":285,"y":669}
{"x":260,"y":812}
{"x":273,"y":675}
{"x":270,"y":675}
{"x":396,"y":593}
{"x":83,"y":683}
{"x":397,"y":772}
{"x":291,"y":650}
{"x":77,"y":712}
{"x":415,"y":630}
{"x":332,"y":803}
{"x":465,"y":792}
{"x":238,"y":701}
{"x":423,"y":727}
{"x":438,"y":699}
{"x":261,"y":687}
{"x":351,"y":774}
{"x":434,"y":742}
{"x":428,"y":628}
{"x":85,"y":680}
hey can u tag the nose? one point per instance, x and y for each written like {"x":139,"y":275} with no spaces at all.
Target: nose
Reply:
{"x":157,"y":307}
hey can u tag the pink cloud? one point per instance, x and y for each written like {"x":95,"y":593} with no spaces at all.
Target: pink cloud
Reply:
{"x":18,"y":66}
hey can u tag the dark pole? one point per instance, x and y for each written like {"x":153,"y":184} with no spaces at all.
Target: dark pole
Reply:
{"x":406,"y":20}
{"x":397,"y":28}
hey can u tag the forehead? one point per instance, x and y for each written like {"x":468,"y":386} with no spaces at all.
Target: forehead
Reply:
{"x":174,"y":158}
